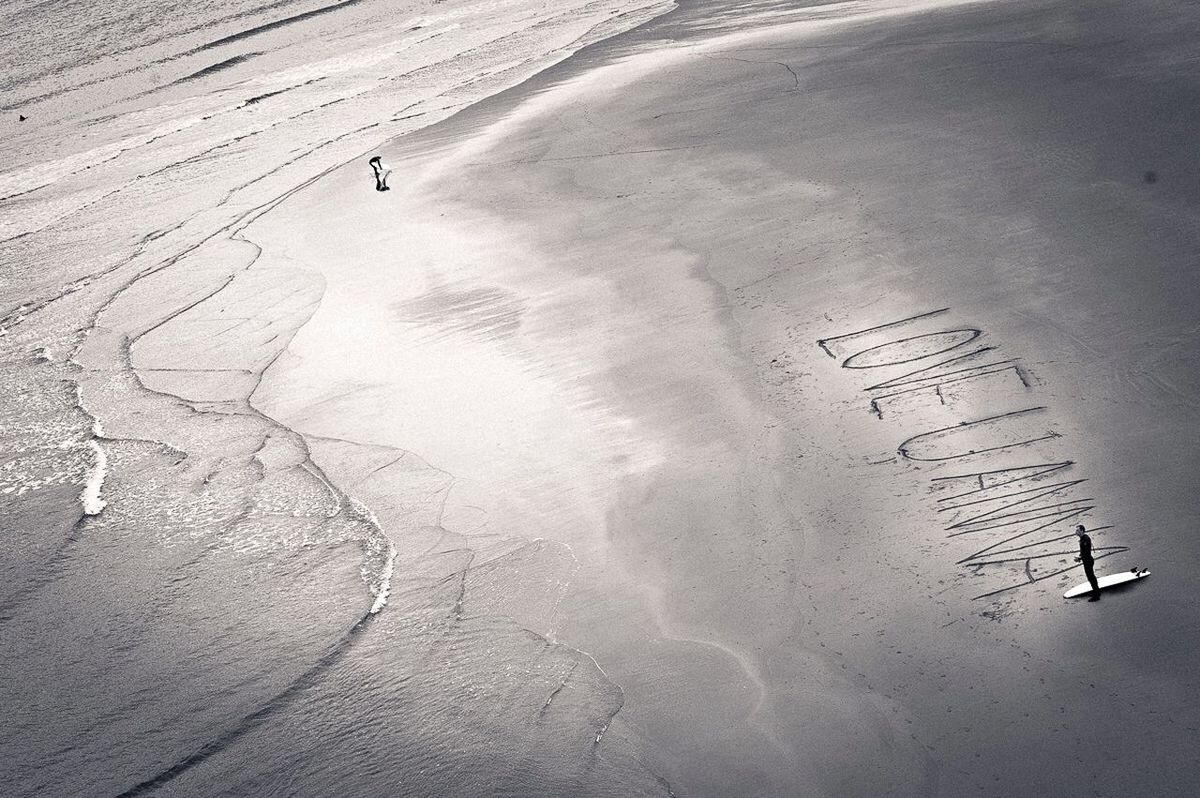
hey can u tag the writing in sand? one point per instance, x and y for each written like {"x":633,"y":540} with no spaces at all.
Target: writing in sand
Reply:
{"x":1002,"y":487}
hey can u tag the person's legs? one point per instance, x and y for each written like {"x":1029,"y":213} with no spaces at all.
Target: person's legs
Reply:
{"x":1090,"y":572}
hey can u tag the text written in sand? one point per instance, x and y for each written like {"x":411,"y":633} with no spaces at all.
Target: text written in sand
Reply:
{"x":1004,"y":494}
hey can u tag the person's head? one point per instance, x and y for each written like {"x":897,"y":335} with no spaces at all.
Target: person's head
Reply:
{"x":1079,"y":530}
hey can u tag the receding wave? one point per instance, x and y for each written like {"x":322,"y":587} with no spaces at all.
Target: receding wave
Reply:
{"x":219,"y":66}
{"x":279,"y":23}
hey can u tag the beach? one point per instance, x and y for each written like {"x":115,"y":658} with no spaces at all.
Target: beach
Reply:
{"x":705,"y":409}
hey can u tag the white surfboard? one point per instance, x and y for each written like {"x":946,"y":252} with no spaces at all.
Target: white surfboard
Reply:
{"x":1107,"y":581}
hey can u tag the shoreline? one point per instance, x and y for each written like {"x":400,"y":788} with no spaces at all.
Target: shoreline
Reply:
{"x":216,"y":521}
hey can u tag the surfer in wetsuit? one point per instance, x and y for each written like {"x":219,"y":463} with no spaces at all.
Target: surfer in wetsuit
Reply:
{"x":1089,"y":562}
{"x":381,"y":171}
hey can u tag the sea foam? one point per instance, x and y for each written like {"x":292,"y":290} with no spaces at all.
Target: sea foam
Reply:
{"x":383,"y":585}
{"x":90,"y":498}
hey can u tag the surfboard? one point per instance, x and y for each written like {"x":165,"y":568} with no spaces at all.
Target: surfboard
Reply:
{"x":1107,"y":581}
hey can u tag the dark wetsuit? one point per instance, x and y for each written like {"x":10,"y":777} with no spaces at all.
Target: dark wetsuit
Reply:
{"x":1089,"y":562}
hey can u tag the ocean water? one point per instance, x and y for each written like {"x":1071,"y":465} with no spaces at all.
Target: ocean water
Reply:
{"x":54,"y":40}
{"x":188,"y":605}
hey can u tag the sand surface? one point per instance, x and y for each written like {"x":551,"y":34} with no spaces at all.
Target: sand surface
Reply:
{"x":707,"y":415}
{"x":602,"y":313}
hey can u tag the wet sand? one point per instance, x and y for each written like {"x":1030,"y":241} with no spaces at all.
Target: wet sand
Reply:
{"x":600,"y":313}
{"x":189,"y":604}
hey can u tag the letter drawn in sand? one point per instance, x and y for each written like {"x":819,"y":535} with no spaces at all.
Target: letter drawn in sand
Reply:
{"x":958,"y":377}
{"x":993,"y":434}
{"x":827,"y":344}
{"x":951,"y":371}
{"x":1000,"y":477}
{"x":938,"y":370}
{"x":911,"y":349}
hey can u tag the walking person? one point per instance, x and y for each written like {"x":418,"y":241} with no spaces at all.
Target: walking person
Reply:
{"x":381,"y":171}
{"x":1089,"y":562}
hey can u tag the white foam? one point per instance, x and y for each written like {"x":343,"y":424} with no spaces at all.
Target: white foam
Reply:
{"x":385,"y":582}
{"x":90,"y":498}
{"x":384,"y":587}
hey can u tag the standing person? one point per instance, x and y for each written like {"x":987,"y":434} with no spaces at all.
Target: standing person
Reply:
{"x":1089,"y":562}
{"x":381,"y":171}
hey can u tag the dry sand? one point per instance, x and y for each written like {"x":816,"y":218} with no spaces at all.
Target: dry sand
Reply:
{"x":600,"y":313}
